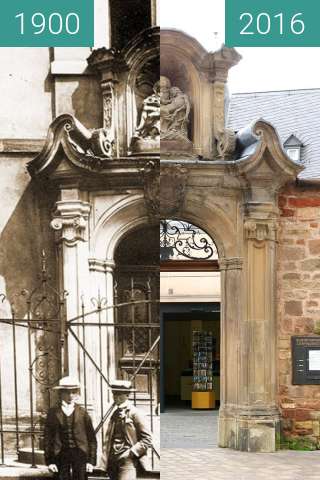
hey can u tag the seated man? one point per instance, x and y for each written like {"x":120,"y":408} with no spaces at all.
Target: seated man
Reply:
{"x":127,"y":438}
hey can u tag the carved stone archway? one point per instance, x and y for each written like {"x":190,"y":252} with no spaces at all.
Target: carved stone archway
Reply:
{"x":235,"y":202}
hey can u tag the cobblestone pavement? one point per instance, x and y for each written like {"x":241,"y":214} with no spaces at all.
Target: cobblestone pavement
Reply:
{"x":188,"y":428}
{"x":224,"y":464}
{"x":189,"y":451}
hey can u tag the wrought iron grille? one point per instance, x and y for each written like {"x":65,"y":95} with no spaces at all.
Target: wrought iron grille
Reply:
{"x":182,"y":240}
{"x":35,"y":354}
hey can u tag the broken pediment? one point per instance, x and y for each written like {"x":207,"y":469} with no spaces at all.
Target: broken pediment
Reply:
{"x":84,"y":148}
{"x":262,"y":160}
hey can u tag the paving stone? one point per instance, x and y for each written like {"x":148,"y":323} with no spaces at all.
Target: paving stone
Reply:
{"x":186,"y":457}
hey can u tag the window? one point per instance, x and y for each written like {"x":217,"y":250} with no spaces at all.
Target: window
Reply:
{"x":128,"y":18}
{"x":293,"y":147}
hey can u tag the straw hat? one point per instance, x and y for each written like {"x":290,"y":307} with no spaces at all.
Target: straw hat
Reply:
{"x":68,"y":383}
{"x":124,"y":386}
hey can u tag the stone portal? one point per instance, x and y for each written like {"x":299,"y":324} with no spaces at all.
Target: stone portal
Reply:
{"x":229,"y":187}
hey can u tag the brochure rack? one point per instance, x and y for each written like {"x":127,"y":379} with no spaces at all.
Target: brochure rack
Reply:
{"x":202,"y":391}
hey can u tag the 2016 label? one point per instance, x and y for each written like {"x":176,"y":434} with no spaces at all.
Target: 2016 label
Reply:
{"x":264,"y":24}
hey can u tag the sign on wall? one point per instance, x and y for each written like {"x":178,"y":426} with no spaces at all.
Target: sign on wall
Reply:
{"x":306,"y":360}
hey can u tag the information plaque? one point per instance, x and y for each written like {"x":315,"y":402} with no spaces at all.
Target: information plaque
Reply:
{"x":306,"y":360}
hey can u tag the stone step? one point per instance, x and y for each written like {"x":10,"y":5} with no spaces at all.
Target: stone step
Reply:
{"x":25,"y":459}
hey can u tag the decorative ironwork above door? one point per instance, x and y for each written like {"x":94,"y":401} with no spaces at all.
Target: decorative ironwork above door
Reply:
{"x":180,"y":240}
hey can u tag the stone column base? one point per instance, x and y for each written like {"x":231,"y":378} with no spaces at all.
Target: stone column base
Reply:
{"x":250,"y":432}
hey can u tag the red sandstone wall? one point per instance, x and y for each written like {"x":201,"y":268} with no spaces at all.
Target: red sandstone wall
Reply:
{"x":298,"y":303}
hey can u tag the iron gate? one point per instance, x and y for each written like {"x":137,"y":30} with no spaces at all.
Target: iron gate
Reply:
{"x":37,"y":342}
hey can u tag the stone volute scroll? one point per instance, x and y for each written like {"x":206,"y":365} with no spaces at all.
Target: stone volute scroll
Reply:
{"x":70,"y":221}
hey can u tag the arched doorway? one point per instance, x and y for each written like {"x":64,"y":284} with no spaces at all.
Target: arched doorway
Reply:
{"x":190,"y":317}
{"x":136,"y":282}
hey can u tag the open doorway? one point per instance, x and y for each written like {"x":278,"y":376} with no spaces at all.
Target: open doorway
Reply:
{"x":190,"y":318}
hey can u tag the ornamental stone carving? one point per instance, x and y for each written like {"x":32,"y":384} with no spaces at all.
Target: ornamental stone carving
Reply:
{"x":260,"y":230}
{"x":234,"y":263}
{"x":108,"y":117}
{"x":173,"y":180}
{"x":226,"y":143}
{"x":146,"y":138}
{"x":151,"y":184}
{"x":91,"y":143}
{"x":175,"y":110}
{"x":70,"y":221}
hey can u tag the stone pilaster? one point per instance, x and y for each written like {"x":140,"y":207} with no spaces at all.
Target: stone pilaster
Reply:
{"x":231,"y":308}
{"x":70,"y":222}
{"x":257,"y":413}
{"x":249,"y":418}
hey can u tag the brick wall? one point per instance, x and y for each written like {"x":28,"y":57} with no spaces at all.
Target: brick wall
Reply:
{"x":298,"y":304}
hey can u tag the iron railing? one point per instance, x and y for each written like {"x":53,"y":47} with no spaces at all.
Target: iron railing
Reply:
{"x":109,"y":340}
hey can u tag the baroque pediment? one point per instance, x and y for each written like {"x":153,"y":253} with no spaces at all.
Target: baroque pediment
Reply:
{"x":84,"y":148}
{"x":263,"y":155}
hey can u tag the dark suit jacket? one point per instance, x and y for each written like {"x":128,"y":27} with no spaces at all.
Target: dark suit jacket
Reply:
{"x":83,"y":434}
{"x":136,"y":431}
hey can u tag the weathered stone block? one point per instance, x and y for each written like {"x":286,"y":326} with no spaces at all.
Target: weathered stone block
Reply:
{"x":287,"y":212}
{"x":283,"y":354}
{"x":284,"y":366}
{"x":298,"y":295}
{"x":288,"y":266}
{"x":287,"y":325}
{"x":306,"y":426}
{"x":315,"y":415}
{"x":293,"y":308}
{"x":294,"y":253}
{"x":312,"y":303}
{"x":288,"y":413}
{"x":303,"y":202}
{"x":302,"y":414}
{"x":314,"y":247}
{"x":311,"y":264}
{"x":308,"y":213}
{"x":284,"y":343}
{"x":282,"y":201}
{"x":291,"y":276}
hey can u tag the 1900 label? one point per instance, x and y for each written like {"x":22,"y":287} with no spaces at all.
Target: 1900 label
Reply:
{"x":36,"y":23}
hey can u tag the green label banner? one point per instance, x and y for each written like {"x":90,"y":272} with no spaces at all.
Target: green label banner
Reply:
{"x":272,"y":23}
{"x":47,"y":23}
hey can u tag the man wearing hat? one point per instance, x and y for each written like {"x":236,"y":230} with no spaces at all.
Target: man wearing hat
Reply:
{"x":69,"y":438}
{"x":127,"y":438}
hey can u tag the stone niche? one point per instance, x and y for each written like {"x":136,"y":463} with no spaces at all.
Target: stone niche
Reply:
{"x":130,"y":94}
{"x":192,"y":92}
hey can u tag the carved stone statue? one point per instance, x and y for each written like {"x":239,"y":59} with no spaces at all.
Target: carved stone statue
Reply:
{"x":175,"y":110}
{"x":149,"y":126}
{"x":146,"y":138}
